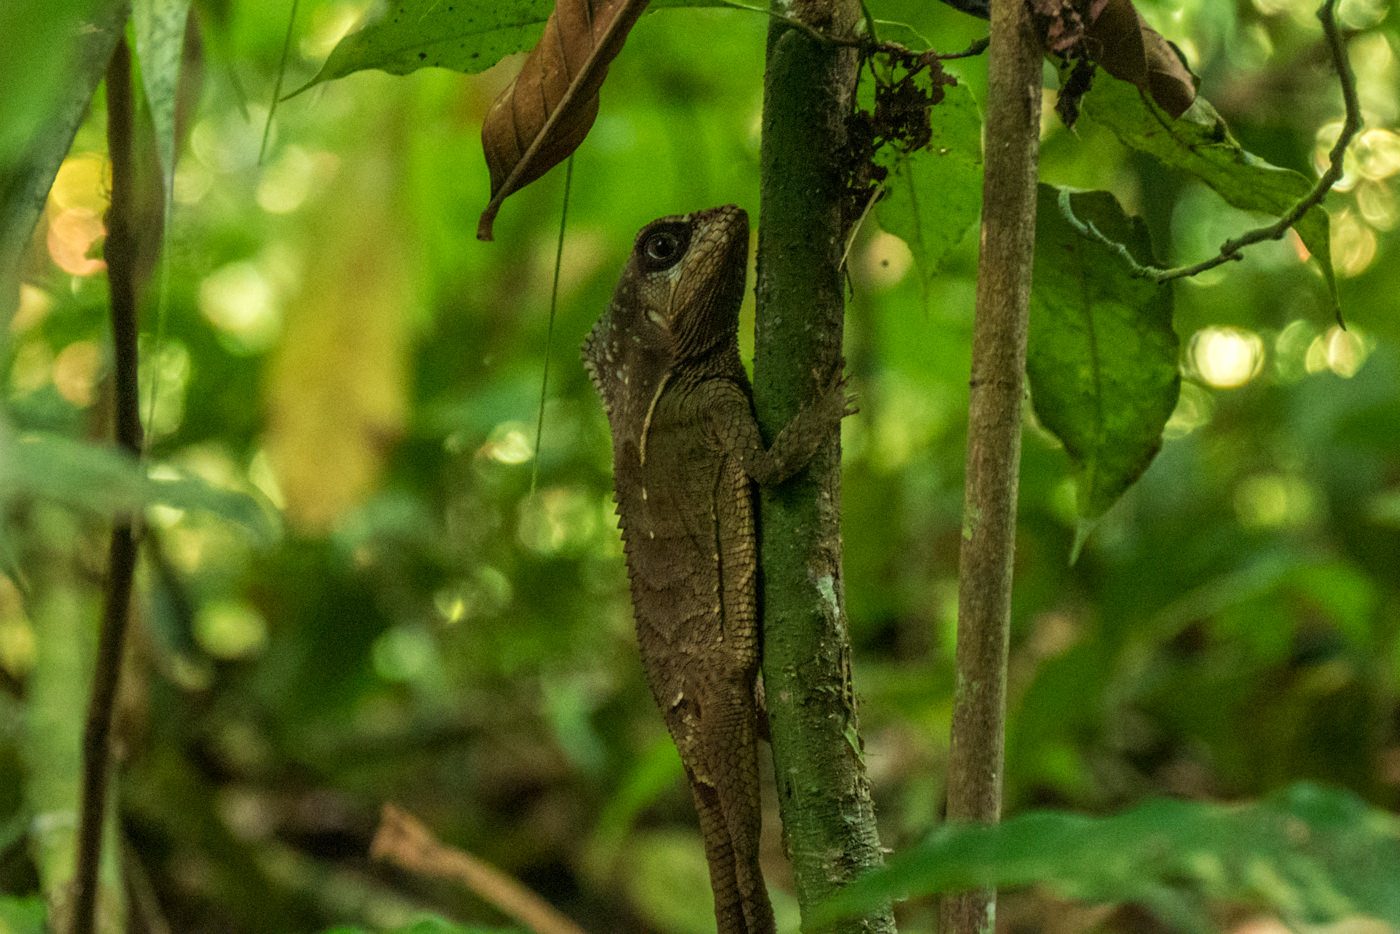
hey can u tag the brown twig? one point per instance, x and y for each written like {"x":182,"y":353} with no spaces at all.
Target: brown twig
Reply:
{"x":1230,"y":249}
{"x":976,"y":757}
{"x":120,"y":252}
{"x":403,"y":840}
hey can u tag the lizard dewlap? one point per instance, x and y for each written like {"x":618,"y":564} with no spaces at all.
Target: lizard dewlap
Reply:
{"x":687,"y":454}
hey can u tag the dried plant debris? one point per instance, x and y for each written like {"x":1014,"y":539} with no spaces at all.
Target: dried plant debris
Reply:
{"x":1111,"y":34}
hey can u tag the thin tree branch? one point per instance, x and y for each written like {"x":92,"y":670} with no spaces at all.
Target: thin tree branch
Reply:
{"x":976,"y":757}
{"x":120,"y":253}
{"x":1230,"y":250}
{"x":406,"y":842}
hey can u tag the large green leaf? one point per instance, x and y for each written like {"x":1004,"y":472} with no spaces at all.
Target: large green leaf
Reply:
{"x":1200,"y":143}
{"x":1102,"y":355}
{"x":1312,"y":855}
{"x":107,"y":482}
{"x":935,"y":193}
{"x":467,"y":36}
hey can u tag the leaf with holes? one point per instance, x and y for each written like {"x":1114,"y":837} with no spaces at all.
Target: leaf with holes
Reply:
{"x":935,"y":193}
{"x":1102,"y":355}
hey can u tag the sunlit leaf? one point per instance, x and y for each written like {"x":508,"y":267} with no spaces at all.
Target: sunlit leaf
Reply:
{"x":1312,"y":855}
{"x":1200,"y":143}
{"x":934,"y":194}
{"x":1102,"y":355}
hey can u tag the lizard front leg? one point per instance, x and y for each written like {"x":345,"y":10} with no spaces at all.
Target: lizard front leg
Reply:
{"x":733,"y":429}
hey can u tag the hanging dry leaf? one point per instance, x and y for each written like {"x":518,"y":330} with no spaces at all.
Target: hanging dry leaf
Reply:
{"x":1129,"y":49}
{"x":543,"y":115}
{"x":1113,"y":35}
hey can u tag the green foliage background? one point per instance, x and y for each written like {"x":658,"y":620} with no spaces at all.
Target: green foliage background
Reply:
{"x":389,"y":613}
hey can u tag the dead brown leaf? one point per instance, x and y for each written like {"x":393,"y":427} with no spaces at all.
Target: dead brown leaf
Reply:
{"x":545,"y":113}
{"x":1129,"y":49}
{"x":1112,"y":35}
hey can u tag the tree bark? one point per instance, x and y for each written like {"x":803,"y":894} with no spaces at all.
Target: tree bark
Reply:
{"x":976,"y":756}
{"x":823,"y":792}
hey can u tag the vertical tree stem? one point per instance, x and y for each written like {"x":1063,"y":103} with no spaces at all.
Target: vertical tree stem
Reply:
{"x":120,"y":253}
{"x":823,"y":793}
{"x":994,"y":440}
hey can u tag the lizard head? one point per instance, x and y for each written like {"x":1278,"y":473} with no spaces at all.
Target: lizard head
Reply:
{"x":677,"y":303}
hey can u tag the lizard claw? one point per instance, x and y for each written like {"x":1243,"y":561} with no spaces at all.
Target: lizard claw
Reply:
{"x":834,"y":392}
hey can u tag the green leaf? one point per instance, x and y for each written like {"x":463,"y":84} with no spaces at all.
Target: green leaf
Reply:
{"x":426,"y":925}
{"x":107,"y":482}
{"x":1310,"y":854}
{"x":1102,"y":355}
{"x":21,"y":915}
{"x":936,"y":192}
{"x":56,"y":52}
{"x":1200,"y":143}
{"x":468,"y":36}
{"x":159,"y":26}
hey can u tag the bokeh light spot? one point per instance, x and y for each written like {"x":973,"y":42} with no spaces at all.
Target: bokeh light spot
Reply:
{"x":75,"y":372}
{"x":229,"y":629}
{"x":508,"y":444}
{"x":239,"y":300}
{"x":1342,"y":352}
{"x":83,"y":181}
{"x":403,"y":653}
{"x":1194,"y":408}
{"x":1353,"y":243}
{"x":884,"y":261}
{"x":1226,"y":357}
{"x":71,"y":236}
{"x":1275,"y":501}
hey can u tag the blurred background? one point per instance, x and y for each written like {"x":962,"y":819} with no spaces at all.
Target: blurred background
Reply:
{"x":427,"y":630}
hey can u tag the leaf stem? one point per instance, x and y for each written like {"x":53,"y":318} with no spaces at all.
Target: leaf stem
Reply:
{"x":1230,"y":250}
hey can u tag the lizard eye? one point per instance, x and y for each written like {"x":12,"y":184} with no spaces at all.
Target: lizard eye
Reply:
{"x":663,"y":247}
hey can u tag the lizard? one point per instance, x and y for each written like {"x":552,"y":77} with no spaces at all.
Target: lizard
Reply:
{"x":687,"y":456}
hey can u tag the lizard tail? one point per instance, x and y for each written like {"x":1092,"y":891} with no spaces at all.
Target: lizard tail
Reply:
{"x":730,"y":814}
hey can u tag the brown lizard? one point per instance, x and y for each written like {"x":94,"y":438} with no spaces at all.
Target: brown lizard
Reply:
{"x":687,"y":453}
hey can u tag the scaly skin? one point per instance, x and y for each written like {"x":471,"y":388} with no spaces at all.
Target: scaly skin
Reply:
{"x":686,"y":455}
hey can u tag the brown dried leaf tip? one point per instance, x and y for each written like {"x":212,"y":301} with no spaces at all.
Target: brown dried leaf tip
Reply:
{"x":1112,"y":34}
{"x":545,"y":113}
